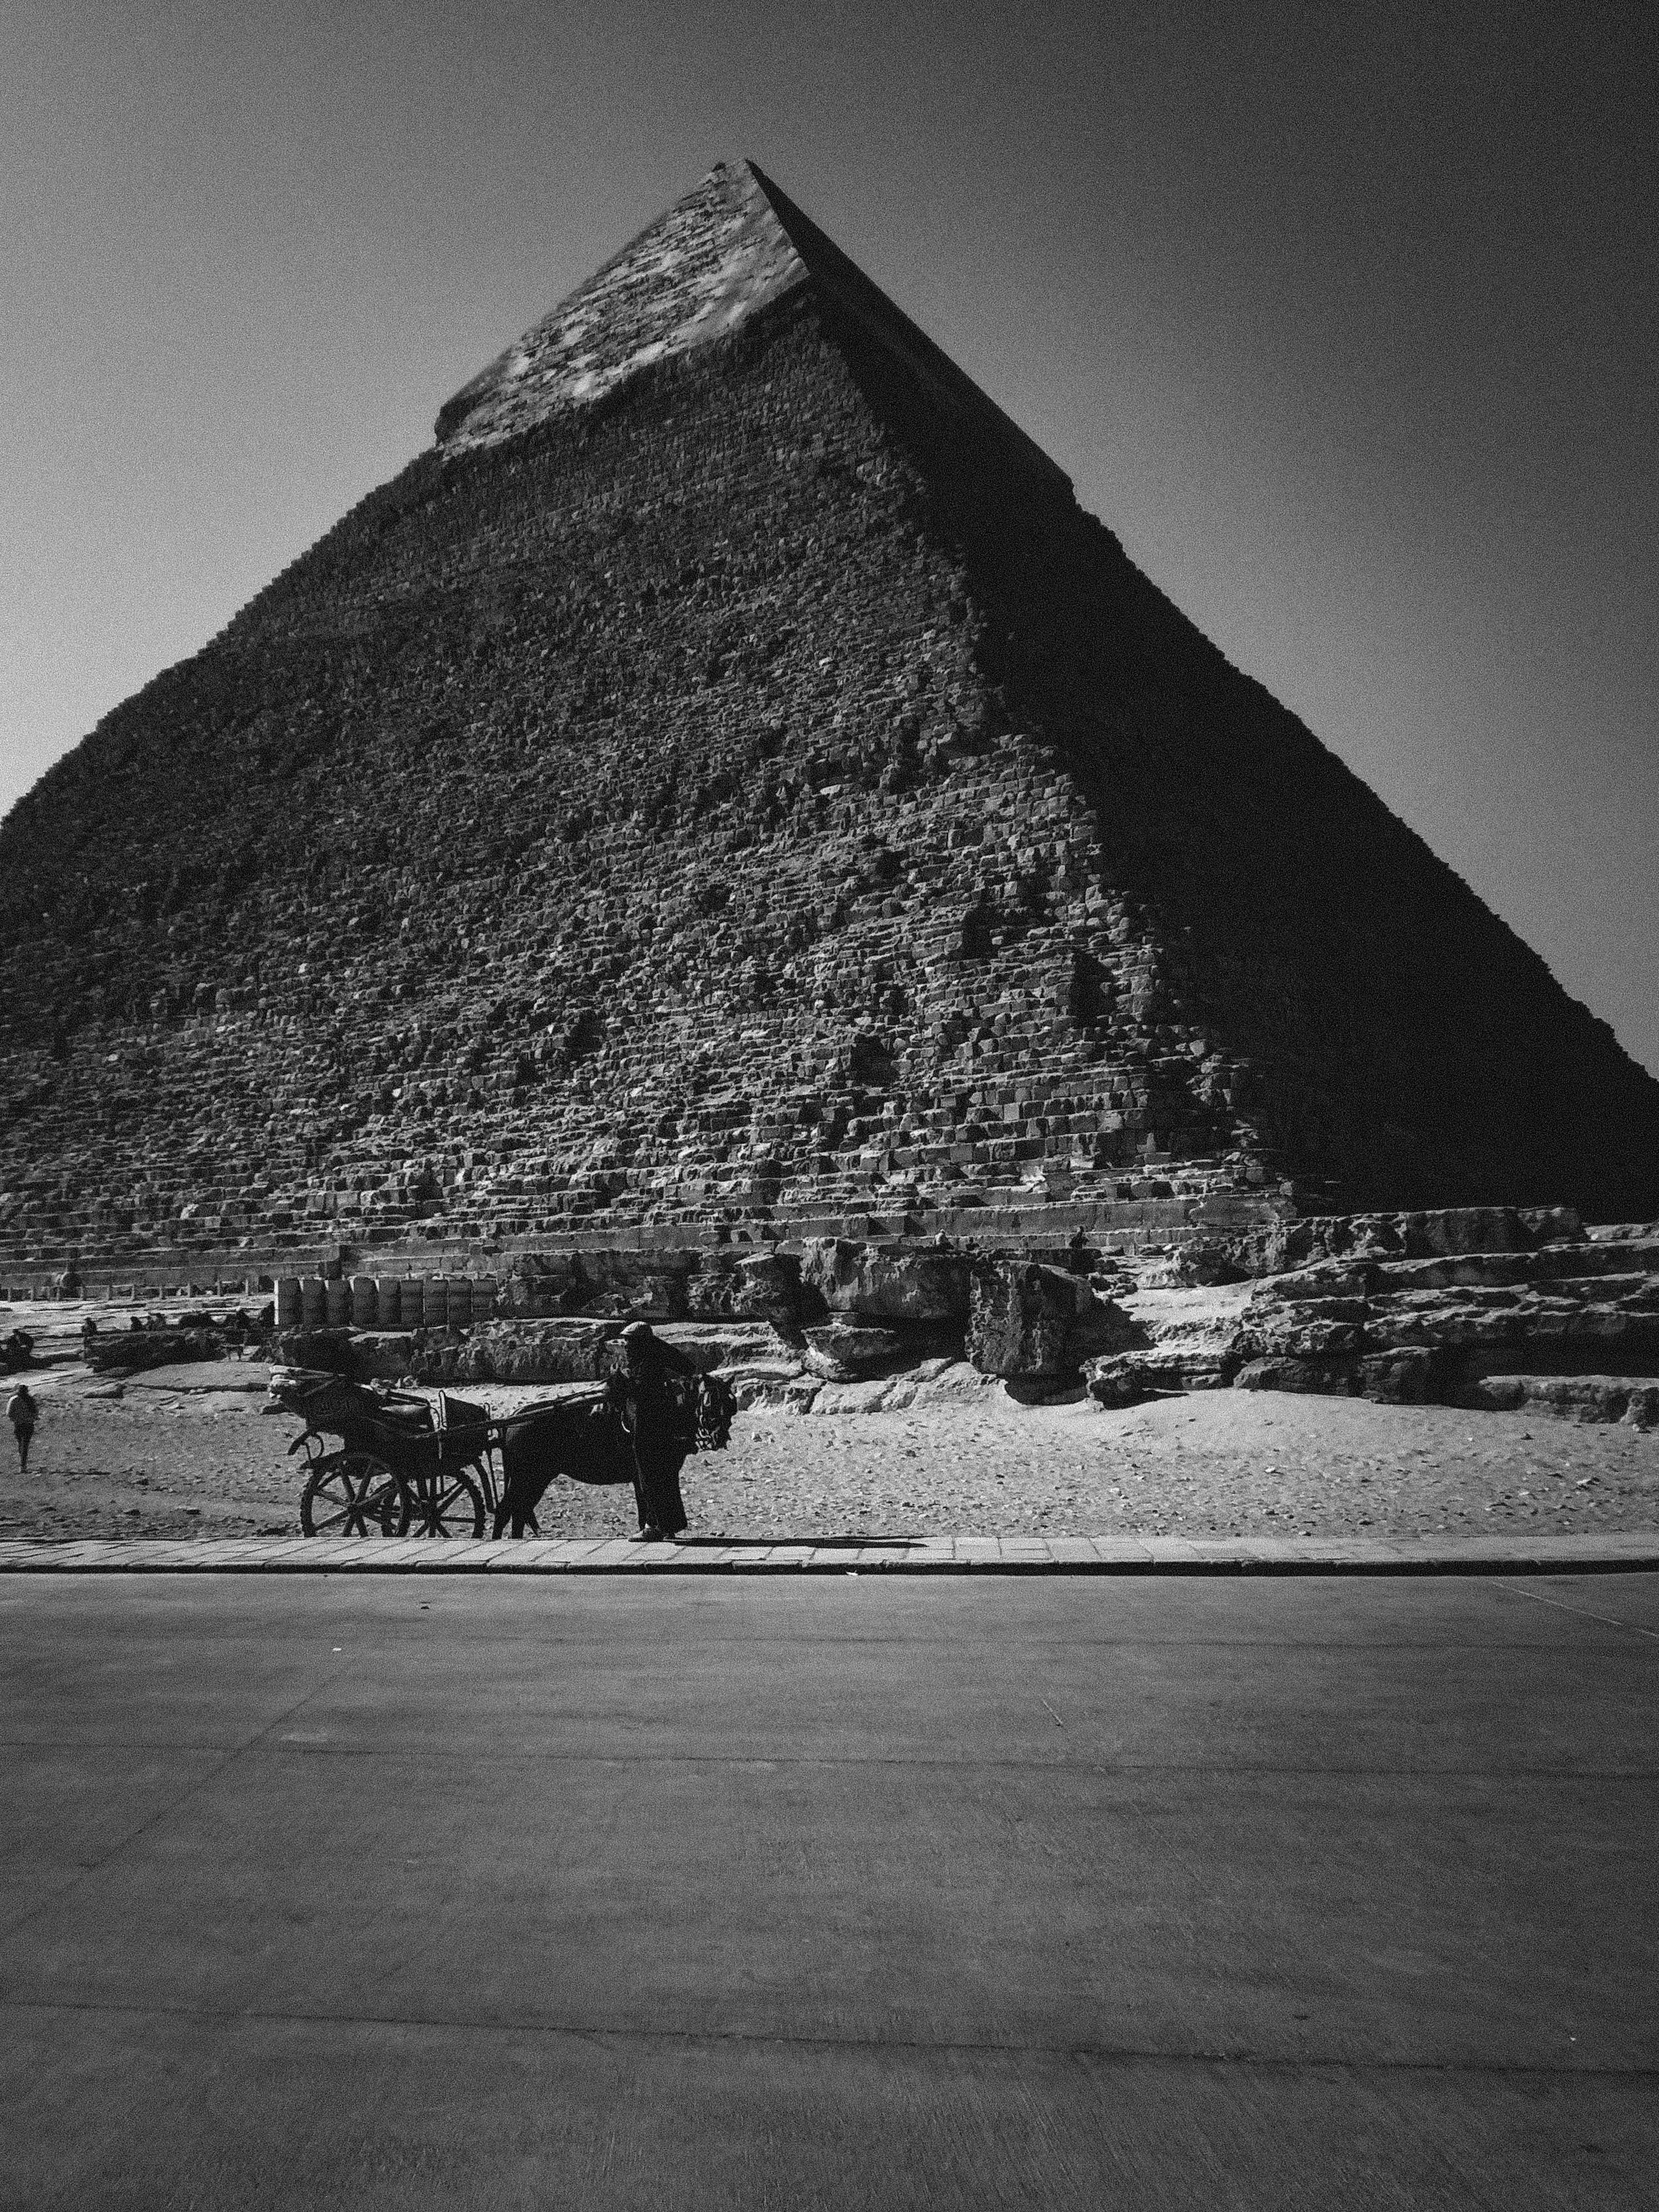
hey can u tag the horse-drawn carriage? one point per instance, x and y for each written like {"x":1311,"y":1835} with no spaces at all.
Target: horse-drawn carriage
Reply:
{"x":389,"y":1464}
{"x":382,"y":1463}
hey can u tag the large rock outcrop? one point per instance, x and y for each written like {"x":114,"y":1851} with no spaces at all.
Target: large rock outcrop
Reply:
{"x":1408,"y":1330}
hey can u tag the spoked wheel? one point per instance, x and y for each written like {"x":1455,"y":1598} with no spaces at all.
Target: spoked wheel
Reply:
{"x":446,"y":1504}
{"x":350,"y":1494}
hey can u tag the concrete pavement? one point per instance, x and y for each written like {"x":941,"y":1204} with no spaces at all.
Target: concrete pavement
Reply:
{"x":408,"y":1890}
{"x":1619,"y":1551}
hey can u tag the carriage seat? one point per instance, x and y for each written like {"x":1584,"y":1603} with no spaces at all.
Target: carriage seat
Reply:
{"x":461,"y":1414}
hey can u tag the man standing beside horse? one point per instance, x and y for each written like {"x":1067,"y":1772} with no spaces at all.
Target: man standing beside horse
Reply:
{"x":659,"y":1426}
{"x":656,"y":1409}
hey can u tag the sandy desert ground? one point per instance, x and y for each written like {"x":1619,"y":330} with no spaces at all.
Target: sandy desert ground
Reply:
{"x":179,"y":1452}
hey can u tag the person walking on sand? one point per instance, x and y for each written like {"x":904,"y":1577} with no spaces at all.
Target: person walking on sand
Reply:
{"x":23,"y":1412}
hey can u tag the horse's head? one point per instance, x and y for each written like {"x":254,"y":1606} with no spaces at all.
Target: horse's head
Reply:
{"x":715,"y":1404}
{"x":322,"y":1400}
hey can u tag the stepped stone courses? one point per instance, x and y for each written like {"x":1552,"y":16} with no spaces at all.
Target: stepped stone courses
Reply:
{"x":728,"y":788}
{"x":1435,"y":1330}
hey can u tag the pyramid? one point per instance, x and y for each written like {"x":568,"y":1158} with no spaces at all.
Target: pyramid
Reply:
{"x":727,"y":787}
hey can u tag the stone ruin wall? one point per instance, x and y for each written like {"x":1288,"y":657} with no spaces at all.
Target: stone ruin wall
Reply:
{"x":614,"y":829}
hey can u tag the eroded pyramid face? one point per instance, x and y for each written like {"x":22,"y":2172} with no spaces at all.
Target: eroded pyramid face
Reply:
{"x":727,"y":786}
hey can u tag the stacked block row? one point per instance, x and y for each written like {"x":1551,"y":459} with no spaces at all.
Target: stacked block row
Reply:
{"x":400,"y":1302}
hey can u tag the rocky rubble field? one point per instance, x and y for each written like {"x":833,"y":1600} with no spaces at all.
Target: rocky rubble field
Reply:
{"x":1482,"y":1307}
{"x":181,"y":1453}
{"x":1431,"y":1373}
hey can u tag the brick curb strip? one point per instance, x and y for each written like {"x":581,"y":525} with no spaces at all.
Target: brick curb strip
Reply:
{"x":1627,"y":1552}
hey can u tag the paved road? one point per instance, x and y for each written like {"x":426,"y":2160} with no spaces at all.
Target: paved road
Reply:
{"x":409,"y":1890}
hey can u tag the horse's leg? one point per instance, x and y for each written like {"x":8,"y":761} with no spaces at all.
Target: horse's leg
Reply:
{"x":523,"y":1495}
{"x":519,"y":1501}
{"x":537,"y":1492}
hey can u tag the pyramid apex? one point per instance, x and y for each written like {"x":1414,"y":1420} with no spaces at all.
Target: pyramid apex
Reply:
{"x":727,"y":251}
{"x":717,"y":257}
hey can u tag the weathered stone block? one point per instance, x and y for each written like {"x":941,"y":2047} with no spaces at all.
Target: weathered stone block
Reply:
{"x":1553,"y":1225}
{"x":1488,"y":1393}
{"x":1317,"y":1284}
{"x":848,"y":1351}
{"x":635,"y":1286}
{"x":326,"y":1350}
{"x":1100,"y":1328}
{"x":1159,"y":1370}
{"x":1325,"y":1378}
{"x":721,"y":1344}
{"x":772,"y":1383}
{"x":386,"y":1356}
{"x":883,"y":1282}
{"x":120,"y":1352}
{"x":1590,"y":1398}
{"x":759,"y":1286}
{"x":577,"y":1350}
{"x":1039,"y":1323}
{"x":1414,"y":1375}
{"x":1296,"y":1333}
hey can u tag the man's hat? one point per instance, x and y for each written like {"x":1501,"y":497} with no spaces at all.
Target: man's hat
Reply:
{"x":637,"y":1332}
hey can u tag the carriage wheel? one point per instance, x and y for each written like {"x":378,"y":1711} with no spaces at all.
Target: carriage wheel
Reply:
{"x":350,"y":1494}
{"x":447,"y":1504}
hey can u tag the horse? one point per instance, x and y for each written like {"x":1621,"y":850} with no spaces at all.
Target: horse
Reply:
{"x":583,"y":1440}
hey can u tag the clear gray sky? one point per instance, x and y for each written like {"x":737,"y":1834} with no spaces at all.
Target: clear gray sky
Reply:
{"x":1344,"y":316}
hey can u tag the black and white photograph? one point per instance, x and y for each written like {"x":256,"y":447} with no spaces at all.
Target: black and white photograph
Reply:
{"x":807,"y":795}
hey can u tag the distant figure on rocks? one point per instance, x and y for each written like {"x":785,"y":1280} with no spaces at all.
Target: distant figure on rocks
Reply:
{"x":655,"y":1426}
{"x":23,"y":1412}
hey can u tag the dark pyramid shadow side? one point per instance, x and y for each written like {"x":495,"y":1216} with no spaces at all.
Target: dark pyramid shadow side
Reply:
{"x":1406,"y":1047}
{"x":924,"y":393}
